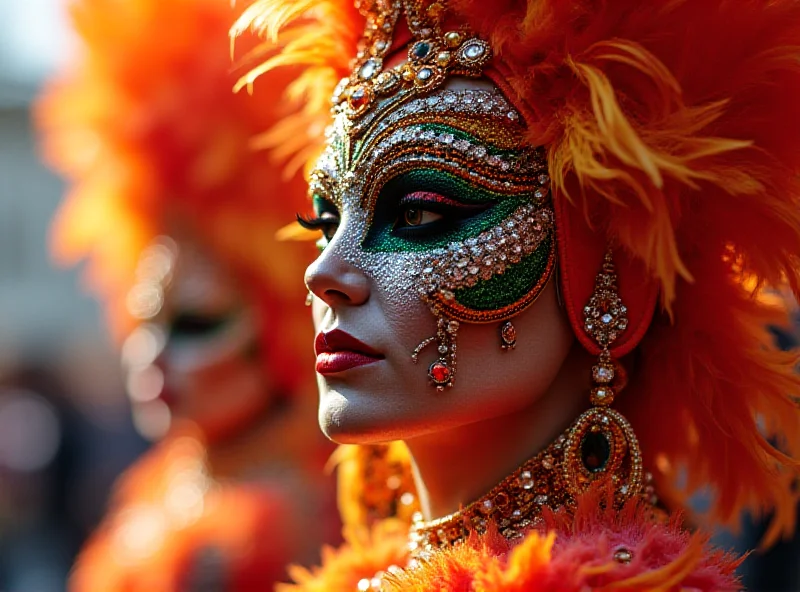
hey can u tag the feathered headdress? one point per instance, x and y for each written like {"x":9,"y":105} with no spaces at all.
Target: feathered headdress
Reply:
{"x":145,"y":127}
{"x":672,"y":130}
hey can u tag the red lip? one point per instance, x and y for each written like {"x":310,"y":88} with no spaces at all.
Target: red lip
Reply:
{"x":338,"y":351}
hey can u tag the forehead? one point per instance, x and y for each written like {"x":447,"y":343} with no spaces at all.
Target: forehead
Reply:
{"x":464,"y":124}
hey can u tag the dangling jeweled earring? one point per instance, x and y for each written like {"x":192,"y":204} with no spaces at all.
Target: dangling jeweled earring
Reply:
{"x":478,"y":280}
{"x":508,"y":336}
{"x":601,"y":445}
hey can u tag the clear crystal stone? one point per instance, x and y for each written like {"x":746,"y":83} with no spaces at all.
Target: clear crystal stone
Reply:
{"x":368,"y":69}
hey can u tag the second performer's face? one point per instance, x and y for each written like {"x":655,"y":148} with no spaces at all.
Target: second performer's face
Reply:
{"x":209,"y":358}
{"x":431,"y":208}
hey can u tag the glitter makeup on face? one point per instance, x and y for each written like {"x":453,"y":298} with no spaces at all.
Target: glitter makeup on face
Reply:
{"x":466,"y":147}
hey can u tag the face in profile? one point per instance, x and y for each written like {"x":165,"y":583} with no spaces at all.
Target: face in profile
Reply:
{"x":432,"y":211}
{"x":207,"y":335}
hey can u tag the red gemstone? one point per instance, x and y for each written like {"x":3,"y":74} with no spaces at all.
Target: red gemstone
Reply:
{"x":359,"y":98}
{"x":439,"y":372}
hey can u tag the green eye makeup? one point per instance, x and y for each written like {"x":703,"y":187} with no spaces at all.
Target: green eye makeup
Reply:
{"x":440,"y":201}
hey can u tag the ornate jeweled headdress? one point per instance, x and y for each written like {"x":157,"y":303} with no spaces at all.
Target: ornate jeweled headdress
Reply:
{"x":434,"y":55}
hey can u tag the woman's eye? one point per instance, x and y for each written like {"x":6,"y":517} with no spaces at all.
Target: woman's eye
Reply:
{"x":329,"y":225}
{"x":417,"y":217}
{"x":326,"y":222}
{"x":190,"y":325}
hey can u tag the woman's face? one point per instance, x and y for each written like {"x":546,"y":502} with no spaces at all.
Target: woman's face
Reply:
{"x":208,"y":356}
{"x":431,"y":204}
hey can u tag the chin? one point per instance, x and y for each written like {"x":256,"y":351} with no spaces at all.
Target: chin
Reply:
{"x":352,"y":416}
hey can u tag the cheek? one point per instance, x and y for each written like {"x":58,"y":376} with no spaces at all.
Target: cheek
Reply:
{"x":523,"y":374}
{"x":493,"y":382}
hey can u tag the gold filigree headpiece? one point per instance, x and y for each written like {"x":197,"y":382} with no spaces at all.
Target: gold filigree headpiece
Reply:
{"x":433,"y":54}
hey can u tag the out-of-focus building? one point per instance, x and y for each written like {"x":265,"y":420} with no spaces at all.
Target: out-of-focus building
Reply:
{"x":61,"y":394}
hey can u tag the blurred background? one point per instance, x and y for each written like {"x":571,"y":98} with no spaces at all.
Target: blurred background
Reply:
{"x":65,"y":427}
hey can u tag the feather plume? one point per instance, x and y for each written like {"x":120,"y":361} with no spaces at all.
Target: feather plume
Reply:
{"x":573,"y":552}
{"x":665,"y":123}
{"x":673,"y":127}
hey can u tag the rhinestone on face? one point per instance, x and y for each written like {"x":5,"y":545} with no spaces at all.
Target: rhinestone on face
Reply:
{"x":526,"y":480}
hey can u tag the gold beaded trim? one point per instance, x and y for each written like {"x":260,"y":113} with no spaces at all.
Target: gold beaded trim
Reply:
{"x":552,"y":479}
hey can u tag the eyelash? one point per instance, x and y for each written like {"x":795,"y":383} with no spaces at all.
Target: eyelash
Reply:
{"x":320,"y":223}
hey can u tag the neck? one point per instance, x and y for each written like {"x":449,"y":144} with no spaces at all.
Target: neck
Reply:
{"x":495,"y":447}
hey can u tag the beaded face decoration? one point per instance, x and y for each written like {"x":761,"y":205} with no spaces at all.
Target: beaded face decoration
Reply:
{"x":453,"y":209}
{"x":599,"y":447}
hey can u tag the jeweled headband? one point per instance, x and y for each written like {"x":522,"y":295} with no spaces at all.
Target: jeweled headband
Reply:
{"x":432,"y":57}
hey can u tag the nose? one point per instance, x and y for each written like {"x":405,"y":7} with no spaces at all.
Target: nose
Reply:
{"x":336,"y":281}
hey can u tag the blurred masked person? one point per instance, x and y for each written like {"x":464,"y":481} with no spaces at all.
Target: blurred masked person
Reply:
{"x":175,"y":212}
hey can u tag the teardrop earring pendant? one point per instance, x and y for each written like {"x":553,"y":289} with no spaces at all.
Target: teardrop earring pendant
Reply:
{"x":601,"y":445}
{"x":508,"y":336}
